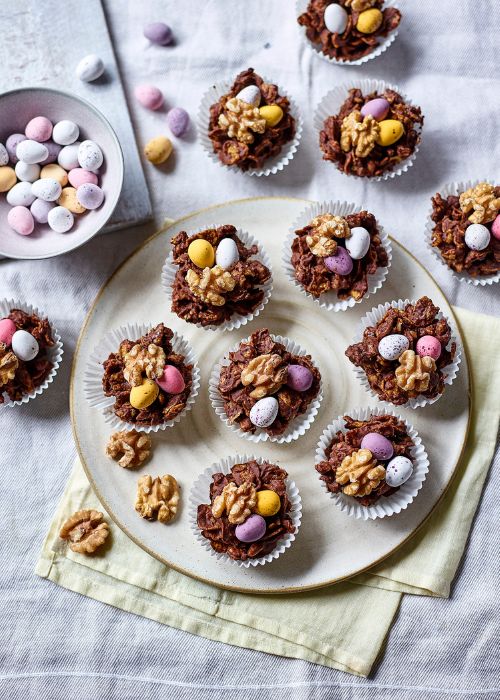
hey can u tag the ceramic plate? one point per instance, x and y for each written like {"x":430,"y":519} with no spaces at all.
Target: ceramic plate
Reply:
{"x":330,"y":545}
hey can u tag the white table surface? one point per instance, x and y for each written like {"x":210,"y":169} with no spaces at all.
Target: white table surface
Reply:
{"x":55,"y":644}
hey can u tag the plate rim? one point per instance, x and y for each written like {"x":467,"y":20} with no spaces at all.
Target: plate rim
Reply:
{"x":258,"y":591}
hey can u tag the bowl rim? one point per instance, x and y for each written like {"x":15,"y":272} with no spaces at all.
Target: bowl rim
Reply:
{"x":114,"y":202}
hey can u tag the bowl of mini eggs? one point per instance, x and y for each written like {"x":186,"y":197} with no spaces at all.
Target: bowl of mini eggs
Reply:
{"x":61,"y":172}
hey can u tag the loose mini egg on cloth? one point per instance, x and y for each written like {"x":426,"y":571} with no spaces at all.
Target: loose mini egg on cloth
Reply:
{"x":21,"y":220}
{"x":299,"y":377}
{"x":7,"y":330}
{"x":149,"y":96}
{"x":391,"y":347}
{"x":89,"y":68}
{"x":253,"y":529}
{"x":263,"y":413}
{"x":31,"y":151}
{"x":178,"y":121}
{"x":89,"y":155}
{"x":227,"y":253}
{"x":65,"y":132}
{"x":21,"y":195}
{"x":358,"y":242}
{"x":158,"y":33}
{"x":428,"y":346}
{"x":201,"y":253}
{"x":398,"y":471}
{"x":24,"y":345}
{"x":47,"y":189}
{"x":477,"y":237}
{"x":60,"y":219}
{"x":158,"y":149}
{"x":335,"y":18}
{"x":379,"y":445}
{"x":250,"y":94}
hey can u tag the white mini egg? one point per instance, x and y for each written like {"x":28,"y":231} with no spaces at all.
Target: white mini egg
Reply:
{"x":65,"y":132}
{"x":60,"y":219}
{"x":264,"y":412}
{"x":90,"y":68}
{"x":358,"y":243}
{"x":392,"y":346}
{"x":226,"y":253}
{"x":397,"y":471}
{"x":47,"y":189}
{"x":24,"y":345}
{"x":250,"y":95}
{"x":21,"y":195}
{"x":335,"y":18}
{"x":4,"y":156}
{"x":89,"y":155}
{"x":68,"y":156}
{"x":477,"y":237}
{"x":31,"y":151}
{"x":27,"y":172}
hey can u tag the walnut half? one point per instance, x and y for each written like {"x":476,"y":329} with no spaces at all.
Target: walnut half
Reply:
{"x":413,"y":373}
{"x":359,"y":134}
{"x":8,"y":364}
{"x":359,"y":473}
{"x":157,"y":498}
{"x":481,"y":201}
{"x":139,"y":360}
{"x":238,"y":502}
{"x":211,"y":285}
{"x":129,"y":448}
{"x":267,"y":373}
{"x":240,"y":119}
{"x":85,"y":530}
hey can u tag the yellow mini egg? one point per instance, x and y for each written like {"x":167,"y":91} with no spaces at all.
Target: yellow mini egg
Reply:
{"x":69,"y":200}
{"x":391,"y":131}
{"x":158,"y":150}
{"x":143,"y":396}
{"x":201,"y":253}
{"x":56,"y":173}
{"x":8,"y":178}
{"x":268,"y":503}
{"x":369,"y":21}
{"x":273,"y":114}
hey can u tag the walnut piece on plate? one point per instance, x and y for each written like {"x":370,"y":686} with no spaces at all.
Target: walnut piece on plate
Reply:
{"x":157,"y":498}
{"x":129,"y":448}
{"x":238,"y":502}
{"x":85,"y":531}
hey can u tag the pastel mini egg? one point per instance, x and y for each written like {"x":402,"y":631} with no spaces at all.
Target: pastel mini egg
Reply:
{"x":144,"y":395}
{"x":299,"y":377}
{"x":268,"y":503}
{"x":39,"y":129}
{"x":358,"y":242}
{"x":428,"y":346}
{"x":250,"y":94}
{"x":89,"y":68}
{"x":273,"y":114}
{"x":90,"y":196}
{"x":398,"y":471}
{"x":340,"y":263}
{"x":227,"y":253}
{"x":4,"y":155}
{"x":47,"y":188}
{"x":31,"y":151}
{"x":149,"y":96}
{"x":40,"y":210}
{"x":477,"y":237}
{"x":379,"y":445}
{"x":68,"y":198}
{"x":65,"y":132}
{"x":201,"y":253}
{"x":21,"y":195}
{"x":369,"y":21}
{"x":335,"y":18}
{"x":55,"y":172}
{"x":495,"y":228}
{"x":390,"y":347}
{"x":178,"y":121}
{"x":27,"y":172}
{"x":253,"y":529}
{"x":263,"y":413}
{"x":24,"y":345}
{"x":7,"y":330}
{"x":68,"y":156}
{"x":53,"y":151}
{"x":60,"y":219}
{"x":378,"y":108}
{"x":158,"y":149}
{"x":79,"y":176}
{"x":158,"y":33}
{"x":89,"y":155}
{"x":7,"y":178}
{"x":171,"y":381}
{"x":391,"y":131}
{"x":11,"y":145}
{"x":21,"y":220}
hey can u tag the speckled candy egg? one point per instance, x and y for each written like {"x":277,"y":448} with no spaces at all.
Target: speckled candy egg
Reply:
{"x":144,"y":395}
{"x":378,"y":108}
{"x":398,"y":471}
{"x":335,"y":18}
{"x":227,"y":253}
{"x":149,"y":96}
{"x":392,"y":346}
{"x":340,"y":263}
{"x":158,"y":33}
{"x":263,"y":413}
{"x":60,"y":219}
{"x":89,"y":68}
{"x":40,"y":210}
{"x":171,"y":380}
{"x":39,"y":129}
{"x":89,"y":155}
{"x":253,"y":529}
{"x":90,"y":196}
{"x":47,"y":188}
{"x":495,"y":228}
{"x":379,"y":445}
{"x":299,"y":378}
{"x":65,"y":132}
{"x":68,"y":156}
{"x":79,"y":176}
{"x":24,"y":345}
{"x":268,"y":503}
{"x":358,"y":242}
{"x":21,"y":195}
{"x":477,"y":237}
{"x":428,"y":346}
{"x":27,"y":172}
{"x":7,"y":330}
{"x":31,"y":151}
{"x":201,"y":253}
{"x":178,"y":121}
{"x":250,"y":94}
{"x":21,"y":220}
{"x":11,"y":145}
{"x":4,"y":155}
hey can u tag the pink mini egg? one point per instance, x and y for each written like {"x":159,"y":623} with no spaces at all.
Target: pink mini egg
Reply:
{"x":299,"y":377}
{"x":21,"y":220}
{"x":171,"y":381}
{"x":495,"y":228}
{"x":149,"y":96}
{"x":79,"y":176}
{"x":39,"y":129}
{"x":7,"y":330}
{"x":178,"y":121}
{"x":379,"y":445}
{"x":377,"y":108}
{"x":340,"y":263}
{"x":428,"y":346}
{"x":90,"y":196}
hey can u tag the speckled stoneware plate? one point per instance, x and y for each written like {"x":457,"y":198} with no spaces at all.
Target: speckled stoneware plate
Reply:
{"x":330,"y":546}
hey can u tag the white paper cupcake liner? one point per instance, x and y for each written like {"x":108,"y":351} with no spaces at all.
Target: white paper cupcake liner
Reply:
{"x":92,"y":381}
{"x":449,"y":371}
{"x":384,"y":42}
{"x":332,"y":102}
{"x":296,"y":427}
{"x":54,"y":354}
{"x":272,"y":165}
{"x":169,"y":271}
{"x":330,"y":300}
{"x":200,"y":493}
{"x":386,"y":505}
{"x":456,"y":188}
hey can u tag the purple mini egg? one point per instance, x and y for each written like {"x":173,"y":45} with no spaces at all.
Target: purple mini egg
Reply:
{"x":178,"y":121}
{"x":299,"y":378}
{"x":90,"y":196}
{"x":158,"y":33}
{"x":53,"y":149}
{"x":340,"y":263}
{"x":11,"y":145}
{"x":379,"y":446}
{"x":428,"y":346}
{"x":253,"y":529}
{"x":377,"y":108}
{"x":40,"y":210}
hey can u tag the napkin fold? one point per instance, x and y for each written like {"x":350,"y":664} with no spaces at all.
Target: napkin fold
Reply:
{"x":355,"y":616}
